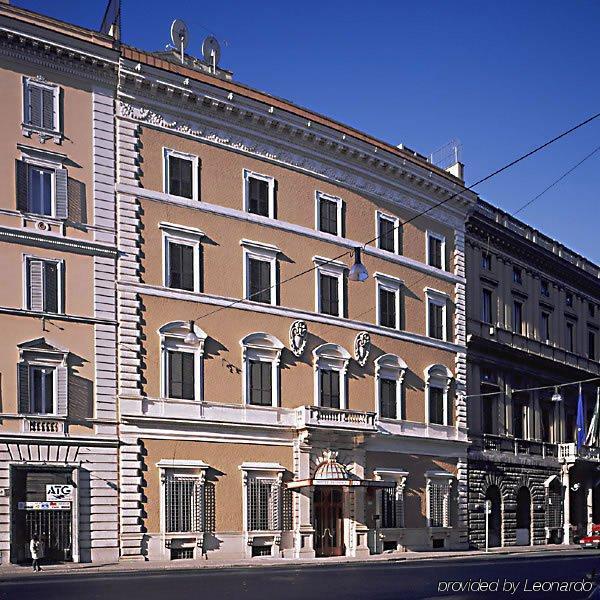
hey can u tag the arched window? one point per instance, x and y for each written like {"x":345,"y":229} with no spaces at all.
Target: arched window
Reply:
{"x":389,"y":374}
{"x":331,"y":366}
{"x":181,"y":365}
{"x":261,"y":353}
{"x":437,"y":383}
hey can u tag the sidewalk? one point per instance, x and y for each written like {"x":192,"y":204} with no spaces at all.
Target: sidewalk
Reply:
{"x":11,"y":572}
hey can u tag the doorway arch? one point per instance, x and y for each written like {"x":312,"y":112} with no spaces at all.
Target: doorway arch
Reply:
{"x":495,"y":517}
{"x":523,"y":517}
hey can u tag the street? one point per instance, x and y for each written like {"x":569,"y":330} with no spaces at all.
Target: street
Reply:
{"x":390,"y":580}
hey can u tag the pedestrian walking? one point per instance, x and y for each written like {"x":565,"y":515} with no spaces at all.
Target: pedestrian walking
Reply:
{"x":36,"y":549}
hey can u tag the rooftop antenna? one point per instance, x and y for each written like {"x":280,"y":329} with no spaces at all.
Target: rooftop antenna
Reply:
{"x":211,"y":51}
{"x":179,"y":36}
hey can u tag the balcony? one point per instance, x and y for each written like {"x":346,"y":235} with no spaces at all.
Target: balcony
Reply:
{"x":320,"y":416}
{"x":499,"y":443}
{"x":569,"y":453}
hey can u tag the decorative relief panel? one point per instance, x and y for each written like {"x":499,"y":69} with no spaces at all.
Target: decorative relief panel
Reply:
{"x":298,"y":337}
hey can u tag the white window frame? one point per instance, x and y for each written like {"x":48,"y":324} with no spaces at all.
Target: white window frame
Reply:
{"x":395,"y":221}
{"x":439,"y":377}
{"x":29,"y":128}
{"x":398,"y":476}
{"x":264,"y":348}
{"x":272,"y":472}
{"x":390,"y":366}
{"x":389,"y":284}
{"x":187,"y":469}
{"x":60,"y":283}
{"x":339,"y":212}
{"x":188,"y":236}
{"x":193,"y":158}
{"x":263,"y":252}
{"x":331,"y":357}
{"x":172,"y":336}
{"x":333,"y":268}
{"x":439,"y":478}
{"x":441,"y":238}
{"x":248,"y":174}
{"x":441,"y":299}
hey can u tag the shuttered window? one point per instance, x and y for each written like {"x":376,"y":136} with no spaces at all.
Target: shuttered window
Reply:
{"x":258,"y":196}
{"x":43,"y":285}
{"x":328,"y":216}
{"x":387,"y":234}
{"x":260,"y":382}
{"x":259,"y":280}
{"x":436,"y":405}
{"x":436,"y":321}
{"x":181,"y":266}
{"x":180,"y":375}
{"x":387,"y":308}
{"x":180,"y":176}
{"x":40,"y":106}
{"x":42,"y":389}
{"x":387,"y":398}
{"x":41,"y":190}
{"x":329,"y":301}
{"x":330,"y":388}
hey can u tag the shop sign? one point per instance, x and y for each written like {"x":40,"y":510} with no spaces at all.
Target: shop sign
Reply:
{"x":64,"y":505}
{"x":59,"y":492}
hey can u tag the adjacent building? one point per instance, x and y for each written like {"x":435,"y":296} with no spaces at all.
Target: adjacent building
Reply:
{"x":58,"y":412}
{"x":533,"y":310}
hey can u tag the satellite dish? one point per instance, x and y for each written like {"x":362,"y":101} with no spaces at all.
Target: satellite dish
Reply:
{"x":179,"y":36}
{"x":211,"y":50}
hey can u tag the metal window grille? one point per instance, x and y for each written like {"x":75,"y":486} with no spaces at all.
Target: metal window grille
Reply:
{"x":392,"y":507}
{"x":183,"y":504}
{"x":263,"y":504}
{"x":553,"y":511}
{"x":438,"y":504}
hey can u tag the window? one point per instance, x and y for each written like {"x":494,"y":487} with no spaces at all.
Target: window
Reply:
{"x":389,"y":301}
{"x":44,"y":285}
{"x":486,"y":305}
{"x":570,"y":336}
{"x":41,"y":102}
{"x":330,"y":278}
{"x":42,"y":375}
{"x":183,"y":257}
{"x":486,"y":261}
{"x":183,"y":496}
{"x":391,"y":507}
{"x":389,"y":374}
{"x":517,"y":276}
{"x":329,"y":214}
{"x":180,"y":174}
{"x":331,"y":364}
{"x":265,"y":497}
{"x":545,"y":288}
{"x":181,"y":363}
{"x":388,"y":233}
{"x":591,"y":309}
{"x":259,"y":194}
{"x":436,"y":250}
{"x":490,"y":390}
{"x":260,"y":271}
{"x":592,"y":345}
{"x":545,"y":326}
{"x":261,"y":354}
{"x":436,"y":314}
{"x":569,"y":299}
{"x":439,"y":486}
{"x":437,"y":411}
{"x":41,"y":185}
{"x":518,"y":317}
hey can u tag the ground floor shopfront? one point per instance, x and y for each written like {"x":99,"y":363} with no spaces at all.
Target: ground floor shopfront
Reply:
{"x":66,"y":493}
{"x":297,"y":496}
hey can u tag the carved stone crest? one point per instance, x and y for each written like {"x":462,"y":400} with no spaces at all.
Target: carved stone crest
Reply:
{"x":362,"y":347}
{"x":298,"y":336}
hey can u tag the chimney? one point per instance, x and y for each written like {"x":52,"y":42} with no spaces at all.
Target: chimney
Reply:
{"x":457,"y":169}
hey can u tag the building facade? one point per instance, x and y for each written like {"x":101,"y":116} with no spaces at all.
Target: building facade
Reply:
{"x":273,"y":412}
{"x":533,"y":316}
{"x":58,"y":427}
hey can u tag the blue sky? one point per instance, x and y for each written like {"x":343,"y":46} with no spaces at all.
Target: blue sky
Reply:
{"x":501,"y":77}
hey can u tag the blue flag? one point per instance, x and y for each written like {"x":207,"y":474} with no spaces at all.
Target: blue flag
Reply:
{"x":580,"y":421}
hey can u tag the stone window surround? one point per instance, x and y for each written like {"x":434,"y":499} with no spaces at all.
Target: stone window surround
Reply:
{"x":441,"y":238}
{"x":249,"y":174}
{"x":391,"y":284}
{"x":60,"y":262}
{"x":333,"y":268}
{"x":335,"y":358}
{"x":27,"y":128}
{"x":437,"y":376}
{"x":194,"y":159}
{"x":444,"y":478}
{"x":263,"y":252}
{"x":180,"y":234}
{"x":390,"y":366}
{"x":339,"y":212}
{"x":399,"y":476}
{"x":396,"y":222}
{"x":439,"y":299}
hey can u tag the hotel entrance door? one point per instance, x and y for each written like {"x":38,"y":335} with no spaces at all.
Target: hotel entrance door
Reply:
{"x":329,"y":521}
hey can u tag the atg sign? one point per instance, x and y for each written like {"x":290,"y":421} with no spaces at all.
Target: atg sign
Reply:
{"x":59,"y":492}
